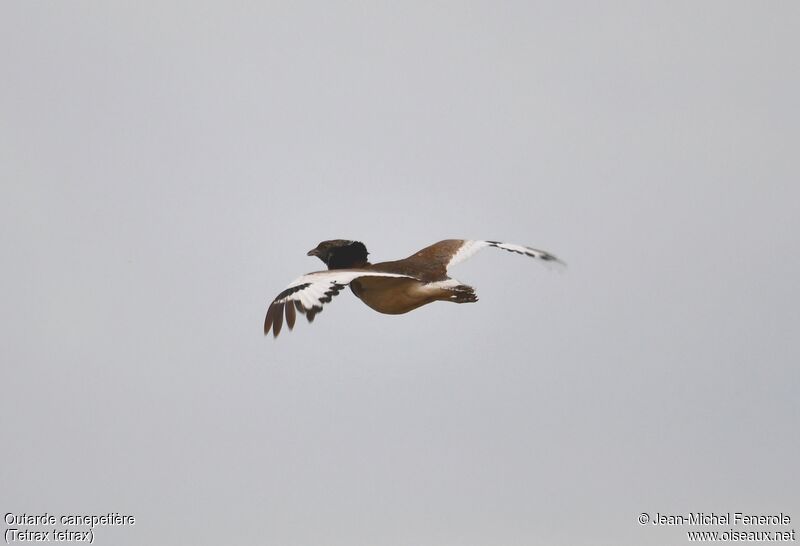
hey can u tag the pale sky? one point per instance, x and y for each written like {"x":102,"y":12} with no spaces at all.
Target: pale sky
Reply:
{"x":167,"y":165}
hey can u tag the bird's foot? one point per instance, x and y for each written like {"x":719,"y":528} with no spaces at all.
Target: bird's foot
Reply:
{"x":463,"y":294}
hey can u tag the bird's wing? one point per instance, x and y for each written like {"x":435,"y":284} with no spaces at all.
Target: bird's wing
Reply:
{"x":445,"y":254}
{"x":467,"y":249}
{"x":307,"y":294}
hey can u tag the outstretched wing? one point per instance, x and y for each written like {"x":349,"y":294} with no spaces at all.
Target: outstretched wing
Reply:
{"x":437,"y":259}
{"x":309,"y":293}
{"x":467,"y":249}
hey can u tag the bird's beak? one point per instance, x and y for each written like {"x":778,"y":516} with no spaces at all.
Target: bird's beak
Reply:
{"x":313,"y":252}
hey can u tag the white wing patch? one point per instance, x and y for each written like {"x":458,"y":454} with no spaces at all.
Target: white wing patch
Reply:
{"x":470,"y":248}
{"x":308,"y":294}
{"x":467,"y":250}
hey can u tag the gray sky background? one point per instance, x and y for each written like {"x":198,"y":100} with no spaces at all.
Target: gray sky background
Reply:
{"x":166,"y":165}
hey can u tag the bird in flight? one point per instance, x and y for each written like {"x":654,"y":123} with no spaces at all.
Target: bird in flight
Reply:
{"x":393,"y":288}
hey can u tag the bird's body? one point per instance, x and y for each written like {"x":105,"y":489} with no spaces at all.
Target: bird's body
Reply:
{"x":392,"y":288}
{"x":392,"y":296}
{"x":395,"y":296}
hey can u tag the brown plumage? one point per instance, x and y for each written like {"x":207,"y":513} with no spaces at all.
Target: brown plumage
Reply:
{"x":393,"y":288}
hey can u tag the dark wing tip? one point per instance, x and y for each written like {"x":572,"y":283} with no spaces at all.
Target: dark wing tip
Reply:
{"x":291,"y":315}
{"x":275,"y":316}
{"x":269,"y":318}
{"x":311,"y":313}
{"x":547,"y":257}
{"x":277,"y":323}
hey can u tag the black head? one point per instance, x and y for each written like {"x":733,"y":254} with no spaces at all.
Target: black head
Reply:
{"x":341,"y":253}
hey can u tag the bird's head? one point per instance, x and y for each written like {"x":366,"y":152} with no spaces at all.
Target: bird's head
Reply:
{"x":341,"y":253}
